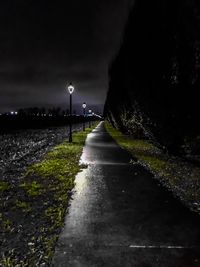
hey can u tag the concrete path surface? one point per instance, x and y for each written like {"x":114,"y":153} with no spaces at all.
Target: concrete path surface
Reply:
{"x":120,"y":216}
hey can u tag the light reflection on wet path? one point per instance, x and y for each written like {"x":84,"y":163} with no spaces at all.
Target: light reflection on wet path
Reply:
{"x":119,"y":216}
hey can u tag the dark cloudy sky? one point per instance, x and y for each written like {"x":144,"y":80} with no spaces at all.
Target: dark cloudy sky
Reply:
{"x":45,"y":44}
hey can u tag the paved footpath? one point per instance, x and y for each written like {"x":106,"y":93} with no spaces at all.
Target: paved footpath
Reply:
{"x":120,"y":216}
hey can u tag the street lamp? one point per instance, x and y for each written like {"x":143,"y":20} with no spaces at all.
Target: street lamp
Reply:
{"x":70,"y":90}
{"x":90,"y":113}
{"x":84,"y":107}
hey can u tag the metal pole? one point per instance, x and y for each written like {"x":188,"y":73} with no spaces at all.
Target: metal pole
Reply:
{"x":70,"y":120}
{"x":83,"y":119}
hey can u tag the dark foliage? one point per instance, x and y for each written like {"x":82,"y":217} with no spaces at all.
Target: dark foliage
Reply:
{"x":155,"y":78}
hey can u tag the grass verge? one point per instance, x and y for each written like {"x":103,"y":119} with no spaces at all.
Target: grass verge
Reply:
{"x":180,"y":177}
{"x":32,"y":212}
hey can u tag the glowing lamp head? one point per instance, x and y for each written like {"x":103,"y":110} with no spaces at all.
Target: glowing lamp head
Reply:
{"x":70,"y":88}
{"x":84,"y":105}
{"x":90,"y":111}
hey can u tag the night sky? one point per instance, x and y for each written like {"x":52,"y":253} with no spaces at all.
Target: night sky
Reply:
{"x":46,"y":44}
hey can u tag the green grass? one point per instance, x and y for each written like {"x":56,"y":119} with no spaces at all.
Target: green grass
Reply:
{"x":6,"y":225}
{"x":8,"y":261}
{"x":62,"y":161}
{"x":140,"y":149}
{"x":32,"y":189}
{"x":4,"y":186}
{"x":24,"y":206}
{"x":144,"y":151}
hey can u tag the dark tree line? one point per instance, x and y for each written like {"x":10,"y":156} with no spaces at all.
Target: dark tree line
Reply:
{"x":155,"y":78}
{"x":36,"y":111}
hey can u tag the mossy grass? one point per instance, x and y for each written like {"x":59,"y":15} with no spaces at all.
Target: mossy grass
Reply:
{"x":170,"y":171}
{"x":144,"y":151}
{"x":32,"y":188}
{"x":24,"y":206}
{"x":6,"y":225}
{"x":4,"y":186}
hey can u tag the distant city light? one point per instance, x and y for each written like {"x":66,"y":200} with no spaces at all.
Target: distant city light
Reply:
{"x":13,"y":113}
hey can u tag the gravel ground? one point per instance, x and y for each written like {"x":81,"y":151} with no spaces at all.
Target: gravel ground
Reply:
{"x":21,"y":148}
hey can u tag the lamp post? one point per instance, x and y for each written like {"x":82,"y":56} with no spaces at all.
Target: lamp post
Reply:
{"x":71,"y":90}
{"x":90,"y":113}
{"x":84,"y":107}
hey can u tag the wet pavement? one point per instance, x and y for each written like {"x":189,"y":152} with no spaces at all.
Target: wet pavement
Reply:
{"x":121,"y":216}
